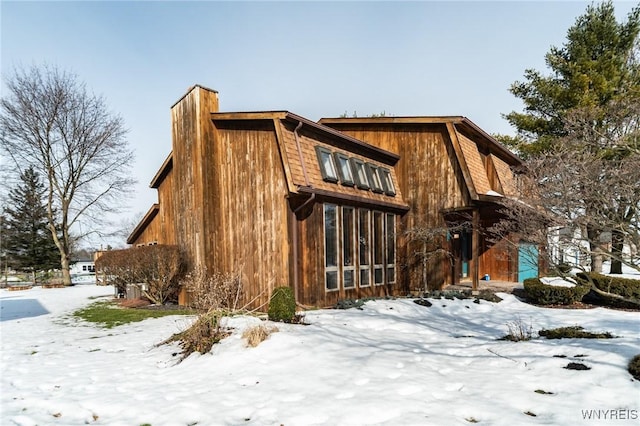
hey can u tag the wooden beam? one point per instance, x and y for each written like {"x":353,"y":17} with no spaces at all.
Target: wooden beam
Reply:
{"x":475,"y":249}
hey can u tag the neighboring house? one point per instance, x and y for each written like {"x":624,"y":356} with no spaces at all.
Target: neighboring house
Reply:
{"x":82,"y":266}
{"x":284,"y":201}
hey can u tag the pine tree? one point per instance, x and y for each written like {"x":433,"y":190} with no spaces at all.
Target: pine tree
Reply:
{"x":586,"y":113}
{"x":26,"y":237}
{"x":595,"y":67}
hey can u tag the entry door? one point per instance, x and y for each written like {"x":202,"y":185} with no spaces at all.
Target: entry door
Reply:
{"x":527,"y":261}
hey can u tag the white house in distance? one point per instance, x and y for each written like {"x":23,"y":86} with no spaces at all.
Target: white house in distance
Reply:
{"x":82,"y":265}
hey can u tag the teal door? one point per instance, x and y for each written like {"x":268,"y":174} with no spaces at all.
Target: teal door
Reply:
{"x":527,"y":261}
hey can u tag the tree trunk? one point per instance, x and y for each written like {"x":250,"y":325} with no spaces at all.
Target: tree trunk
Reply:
{"x":593,"y":236}
{"x":617,"y":243}
{"x":66,"y":273}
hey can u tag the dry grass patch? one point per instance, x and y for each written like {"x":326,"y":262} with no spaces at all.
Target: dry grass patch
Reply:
{"x":258,"y":334}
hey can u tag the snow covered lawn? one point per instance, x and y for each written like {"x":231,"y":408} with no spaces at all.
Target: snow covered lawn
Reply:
{"x":392,"y":363}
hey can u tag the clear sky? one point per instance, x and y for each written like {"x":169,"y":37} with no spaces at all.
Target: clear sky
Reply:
{"x":315,"y":59}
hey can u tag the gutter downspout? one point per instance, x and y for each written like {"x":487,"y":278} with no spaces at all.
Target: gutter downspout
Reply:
{"x":294,"y":217}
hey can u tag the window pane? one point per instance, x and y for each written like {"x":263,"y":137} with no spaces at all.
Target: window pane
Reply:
{"x":332,"y":280}
{"x":344,"y":169}
{"x":348,"y":279}
{"x":391,"y":238}
{"x":387,"y":181}
{"x":374,"y":178}
{"x":360,"y":174}
{"x":378,"y":241}
{"x":347,"y":236}
{"x":363,"y":236}
{"x":330,"y":235}
{"x":327,"y":167}
{"x":377,"y":272}
{"x":391,"y":275}
{"x":365,"y":277}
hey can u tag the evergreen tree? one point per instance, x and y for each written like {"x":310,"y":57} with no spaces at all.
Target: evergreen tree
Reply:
{"x":27,"y":241}
{"x":595,"y":67}
{"x":586,"y":112}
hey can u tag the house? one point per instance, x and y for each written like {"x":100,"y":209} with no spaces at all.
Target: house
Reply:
{"x":279,"y":200}
{"x":324,"y":208}
{"x":82,"y":266}
{"x":452,"y":174}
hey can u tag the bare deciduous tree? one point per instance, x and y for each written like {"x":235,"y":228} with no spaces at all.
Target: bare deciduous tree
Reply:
{"x":49,"y":121}
{"x":585,"y":189}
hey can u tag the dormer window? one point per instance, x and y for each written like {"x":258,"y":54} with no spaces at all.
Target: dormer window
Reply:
{"x":344,"y":169}
{"x":327,"y":168}
{"x":362,"y":180}
{"x":387,"y":181}
{"x":374,"y":178}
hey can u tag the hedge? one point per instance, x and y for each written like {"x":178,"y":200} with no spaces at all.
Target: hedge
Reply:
{"x":625,"y":287}
{"x":542,"y":294}
{"x":158,"y":266}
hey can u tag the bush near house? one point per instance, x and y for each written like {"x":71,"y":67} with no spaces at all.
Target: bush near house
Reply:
{"x":543,"y":294}
{"x":282,"y":305}
{"x":625,"y":287}
{"x":156,"y":266}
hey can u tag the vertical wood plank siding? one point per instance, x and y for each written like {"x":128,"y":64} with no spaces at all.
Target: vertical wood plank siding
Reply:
{"x":191,"y":125}
{"x":245,"y":207}
{"x":430,"y":180}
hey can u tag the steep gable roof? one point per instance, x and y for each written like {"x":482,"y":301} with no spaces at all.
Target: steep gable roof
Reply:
{"x":476,"y":151}
{"x":298,"y":138}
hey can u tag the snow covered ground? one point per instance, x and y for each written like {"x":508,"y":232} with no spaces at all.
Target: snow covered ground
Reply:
{"x":392,"y":363}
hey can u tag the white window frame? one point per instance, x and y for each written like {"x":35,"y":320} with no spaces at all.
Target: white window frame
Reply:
{"x":390,"y":265}
{"x":331,"y":269}
{"x":374,"y":246}
{"x":364,"y":268}
{"x":352,"y":237}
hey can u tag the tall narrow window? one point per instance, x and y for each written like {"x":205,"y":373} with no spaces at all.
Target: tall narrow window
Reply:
{"x":391,"y":247}
{"x":327,"y":168}
{"x":348,"y":248}
{"x":344,"y":169}
{"x":331,"y":246}
{"x":362,"y":180}
{"x":374,"y":178}
{"x":387,"y":181}
{"x":364,"y":251}
{"x":378,"y":248}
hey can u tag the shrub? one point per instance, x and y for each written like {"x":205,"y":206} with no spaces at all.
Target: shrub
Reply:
{"x":543,"y":294}
{"x":258,"y":334}
{"x":157,"y":266}
{"x":212,"y":291}
{"x":282,"y":305}
{"x":202,"y":335}
{"x":634,"y":367}
{"x":624,"y":287}
{"x":518,"y":331}
{"x":573,"y":332}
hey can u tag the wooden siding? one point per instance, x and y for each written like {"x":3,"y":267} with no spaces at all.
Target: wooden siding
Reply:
{"x":312,"y":266}
{"x":308,"y":143}
{"x":191,"y":129}
{"x":430,"y":180}
{"x":245,"y":207}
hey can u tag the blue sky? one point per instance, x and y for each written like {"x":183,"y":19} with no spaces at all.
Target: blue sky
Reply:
{"x":316,"y":59}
